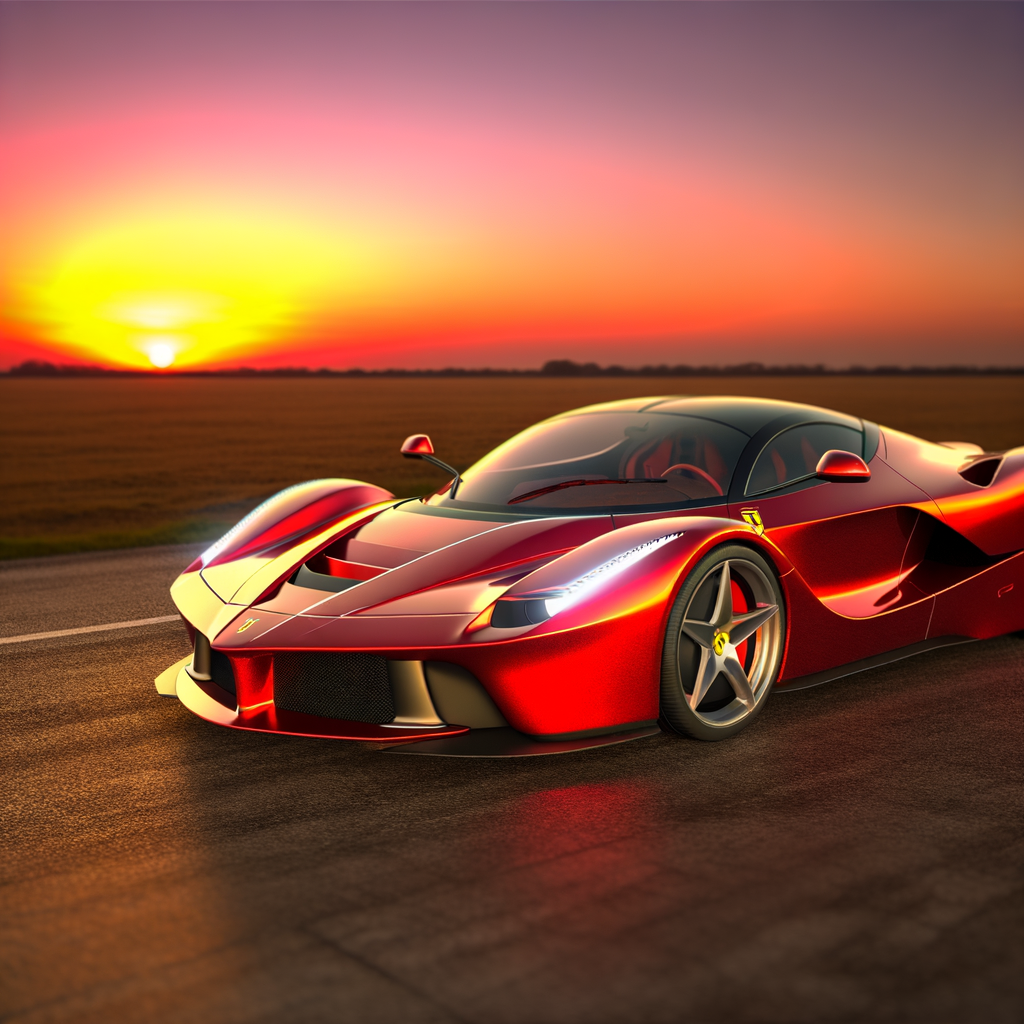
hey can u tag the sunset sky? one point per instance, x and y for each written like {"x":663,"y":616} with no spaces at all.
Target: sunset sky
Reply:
{"x":424,"y":185}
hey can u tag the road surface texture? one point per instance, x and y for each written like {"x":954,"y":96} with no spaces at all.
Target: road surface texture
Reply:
{"x":856,"y":855}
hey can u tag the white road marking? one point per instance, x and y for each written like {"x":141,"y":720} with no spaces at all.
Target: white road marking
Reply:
{"x":87,"y":629}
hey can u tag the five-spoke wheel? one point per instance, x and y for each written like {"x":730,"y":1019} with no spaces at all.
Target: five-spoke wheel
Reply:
{"x":723,"y":645}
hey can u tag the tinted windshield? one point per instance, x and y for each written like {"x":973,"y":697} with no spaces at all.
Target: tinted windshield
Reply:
{"x":605,"y":460}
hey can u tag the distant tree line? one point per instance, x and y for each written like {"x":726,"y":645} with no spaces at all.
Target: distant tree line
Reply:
{"x":567,"y":368}
{"x":552,"y":368}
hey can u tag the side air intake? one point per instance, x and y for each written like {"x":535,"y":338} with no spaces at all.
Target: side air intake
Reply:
{"x":980,"y":472}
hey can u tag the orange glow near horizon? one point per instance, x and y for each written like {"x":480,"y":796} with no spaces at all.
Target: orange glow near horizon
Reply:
{"x":193,"y":286}
{"x":293,"y":222}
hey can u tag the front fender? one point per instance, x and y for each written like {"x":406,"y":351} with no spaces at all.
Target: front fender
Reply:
{"x":597,"y":664}
{"x":279,"y":524}
{"x":667,"y":549}
{"x":246,"y":579}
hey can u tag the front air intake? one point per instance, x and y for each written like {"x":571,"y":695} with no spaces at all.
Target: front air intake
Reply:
{"x":354,"y":687}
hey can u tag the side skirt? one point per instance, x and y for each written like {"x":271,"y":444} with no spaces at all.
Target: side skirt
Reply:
{"x":508,"y":742}
{"x":817,"y":678}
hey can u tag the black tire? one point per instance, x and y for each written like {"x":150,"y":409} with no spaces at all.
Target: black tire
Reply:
{"x":688,"y":662}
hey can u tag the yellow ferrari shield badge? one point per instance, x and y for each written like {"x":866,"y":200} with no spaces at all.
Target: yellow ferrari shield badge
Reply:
{"x":753,"y":517}
{"x":245,"y":625}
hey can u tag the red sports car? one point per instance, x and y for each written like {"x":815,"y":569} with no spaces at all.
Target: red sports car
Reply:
{"x":655,"y":562}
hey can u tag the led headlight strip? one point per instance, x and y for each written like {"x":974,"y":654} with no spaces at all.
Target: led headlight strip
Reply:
{"x":580,"y":588}
{"x":509,"y":613}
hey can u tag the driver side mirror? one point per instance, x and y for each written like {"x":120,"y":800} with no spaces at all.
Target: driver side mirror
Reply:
{"x":839,"y":466}
{"x":419,"y":446}
{"x":415,"y":446}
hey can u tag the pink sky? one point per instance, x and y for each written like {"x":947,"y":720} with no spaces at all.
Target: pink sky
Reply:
{"x":428,"y":184}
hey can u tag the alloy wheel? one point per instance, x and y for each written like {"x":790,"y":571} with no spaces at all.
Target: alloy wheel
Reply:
{"x":730,"y":643}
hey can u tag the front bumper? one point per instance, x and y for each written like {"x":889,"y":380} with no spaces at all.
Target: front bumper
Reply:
{"x":212,"y":703}
{"x":215,"y":704}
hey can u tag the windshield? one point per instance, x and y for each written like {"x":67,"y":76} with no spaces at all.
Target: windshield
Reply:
{"x":603,"y":461}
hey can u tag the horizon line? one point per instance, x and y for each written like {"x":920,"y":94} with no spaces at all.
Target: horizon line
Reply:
{"x":552,"y":368}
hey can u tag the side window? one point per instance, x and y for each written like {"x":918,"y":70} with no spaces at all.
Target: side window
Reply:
{"x":793,"y":454}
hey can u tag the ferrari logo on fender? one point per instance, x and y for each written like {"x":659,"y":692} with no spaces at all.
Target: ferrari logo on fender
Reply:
{"x":721,"y":639}
{"x":245,"y":625}
{"x":753,"y":518}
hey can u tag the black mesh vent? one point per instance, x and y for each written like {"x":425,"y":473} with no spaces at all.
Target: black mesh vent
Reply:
{"x":350,"y":686}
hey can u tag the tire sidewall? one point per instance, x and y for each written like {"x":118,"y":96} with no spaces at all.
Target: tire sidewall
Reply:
{"x":675,"y":712}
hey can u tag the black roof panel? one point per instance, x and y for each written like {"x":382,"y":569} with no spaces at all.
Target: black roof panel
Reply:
{"x":746,"y":414}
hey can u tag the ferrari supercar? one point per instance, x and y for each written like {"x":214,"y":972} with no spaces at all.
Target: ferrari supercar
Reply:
{"x":636,"y":565}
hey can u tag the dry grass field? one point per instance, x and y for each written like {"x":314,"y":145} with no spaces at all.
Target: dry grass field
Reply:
{"x":94,"y":463}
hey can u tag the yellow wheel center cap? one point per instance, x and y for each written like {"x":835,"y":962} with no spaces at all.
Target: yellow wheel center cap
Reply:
{"x":721,"y":639}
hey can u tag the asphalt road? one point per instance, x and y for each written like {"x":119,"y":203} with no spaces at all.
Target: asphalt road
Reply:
{"x":857,"y":855}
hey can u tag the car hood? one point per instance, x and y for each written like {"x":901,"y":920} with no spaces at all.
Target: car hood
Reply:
{"x":415,"y":548}
{"x":411,"y":529}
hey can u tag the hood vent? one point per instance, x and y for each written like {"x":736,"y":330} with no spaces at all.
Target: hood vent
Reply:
{"x":305,"y":577}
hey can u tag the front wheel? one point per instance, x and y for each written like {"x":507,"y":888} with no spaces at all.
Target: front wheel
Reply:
{"x":723,"y":644}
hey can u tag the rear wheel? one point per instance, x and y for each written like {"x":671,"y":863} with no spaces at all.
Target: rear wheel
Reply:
{"x":723,"y":644}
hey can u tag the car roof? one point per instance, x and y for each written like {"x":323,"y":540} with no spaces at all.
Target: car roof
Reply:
{"x":746,"y":414}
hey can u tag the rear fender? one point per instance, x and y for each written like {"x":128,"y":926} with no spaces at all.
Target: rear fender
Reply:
{"x":985,"y":507}
{"x":991,"y":515}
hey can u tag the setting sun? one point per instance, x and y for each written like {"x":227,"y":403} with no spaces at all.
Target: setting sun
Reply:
{"x":161,"y":354}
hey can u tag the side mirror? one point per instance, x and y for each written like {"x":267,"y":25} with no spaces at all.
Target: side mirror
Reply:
{"x":415,"y":446}
{"x":419,"y":446}
{"x":839,"y":466}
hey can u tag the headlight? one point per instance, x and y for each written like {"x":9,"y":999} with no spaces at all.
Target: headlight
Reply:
{"x":535,"y":608}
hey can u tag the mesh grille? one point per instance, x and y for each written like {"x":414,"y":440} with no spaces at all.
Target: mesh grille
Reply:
{"x":350,"y":686}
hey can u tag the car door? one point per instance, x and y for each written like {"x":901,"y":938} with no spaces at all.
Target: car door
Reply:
{"x":847,"y":539}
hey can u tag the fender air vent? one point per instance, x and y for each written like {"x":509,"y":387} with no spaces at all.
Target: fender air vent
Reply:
{"x":980,"y":471}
